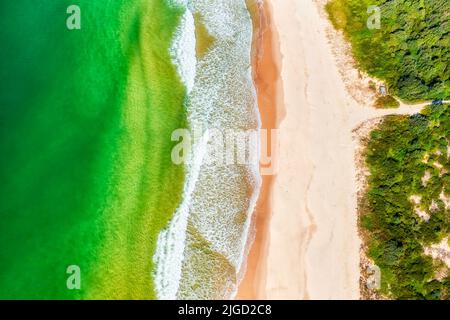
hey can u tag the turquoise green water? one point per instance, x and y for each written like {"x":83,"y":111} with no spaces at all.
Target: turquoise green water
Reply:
{"x":85,"y":123}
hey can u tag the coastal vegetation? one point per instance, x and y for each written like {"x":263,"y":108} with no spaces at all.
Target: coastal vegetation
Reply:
{"x":406,"y":208}
{"x":386,"y":102}
{"x":409,"y":47}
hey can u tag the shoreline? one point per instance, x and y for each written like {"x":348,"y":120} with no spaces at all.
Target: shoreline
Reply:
{"x":266,"y":76}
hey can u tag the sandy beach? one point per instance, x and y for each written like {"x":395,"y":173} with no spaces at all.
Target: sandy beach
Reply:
{"x":266,"y":74}
{"x":307,"y":244}
{"x":313,"y":251}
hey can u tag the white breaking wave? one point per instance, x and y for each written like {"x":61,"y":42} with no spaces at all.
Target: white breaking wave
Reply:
{"x":202,"y":250}
{"x":171,"y":241}
{"x":183,"y":50}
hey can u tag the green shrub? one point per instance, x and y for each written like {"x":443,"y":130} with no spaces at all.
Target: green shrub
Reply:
{"x":409,"y":51}
{"x":396,"y":235}
{"x":386,"y":102}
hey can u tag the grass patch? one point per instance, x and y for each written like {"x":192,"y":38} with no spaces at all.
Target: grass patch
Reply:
{"x":386,"y":102}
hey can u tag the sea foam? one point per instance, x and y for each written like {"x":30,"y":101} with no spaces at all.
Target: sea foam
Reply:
{"x":171,"y":241}
{"x":201,"y":252}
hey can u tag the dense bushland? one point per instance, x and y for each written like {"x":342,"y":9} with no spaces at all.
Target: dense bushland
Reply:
{"x":410,"y":50}
{"x":409,"y":156}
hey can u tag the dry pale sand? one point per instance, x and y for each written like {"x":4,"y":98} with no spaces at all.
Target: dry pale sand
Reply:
{"x":312,"y":250}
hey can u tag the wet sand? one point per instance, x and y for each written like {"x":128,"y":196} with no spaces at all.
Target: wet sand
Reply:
{"x":266,"y":75}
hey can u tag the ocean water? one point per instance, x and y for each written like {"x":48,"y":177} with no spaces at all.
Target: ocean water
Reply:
{"x":85,"y":123}
{"x":87,"y":179}
{"x":201,"y":253}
